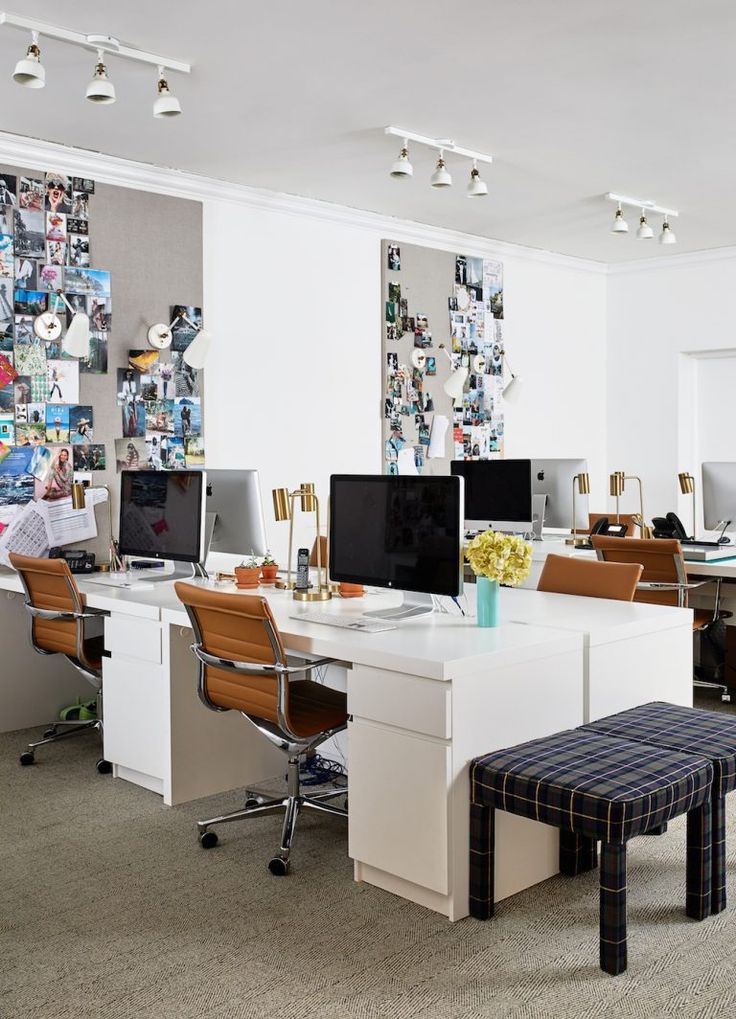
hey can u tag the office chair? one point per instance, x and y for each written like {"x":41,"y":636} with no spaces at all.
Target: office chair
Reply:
{"x":243,"y":667}
{"x":60,"y":624}
{"x":664,"y":582}
{"x":590,"y":578}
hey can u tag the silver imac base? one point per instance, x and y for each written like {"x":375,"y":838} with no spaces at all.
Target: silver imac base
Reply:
{"x":181,"y":571}
{"x":414,"y":604}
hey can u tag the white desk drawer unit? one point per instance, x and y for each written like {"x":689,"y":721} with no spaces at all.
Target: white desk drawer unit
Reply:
{"x":406,"y":702}
{"x":133,"y":638}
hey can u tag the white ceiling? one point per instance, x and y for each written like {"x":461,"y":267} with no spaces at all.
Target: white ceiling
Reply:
{"x":572,"y":98}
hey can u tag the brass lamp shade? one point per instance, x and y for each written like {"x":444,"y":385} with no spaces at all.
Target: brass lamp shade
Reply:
{"x":687,"y":483}
{"x":616,"y":483}
{"x":281,"y":507}
{"x":78,"y":500}
{"x":309,"y":502}
{"x":583,"y":483}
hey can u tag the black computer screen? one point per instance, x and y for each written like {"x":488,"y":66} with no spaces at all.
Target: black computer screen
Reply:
{"x":496,"y":489}
{"x":397,"y":532}
{"x":161,"y":514}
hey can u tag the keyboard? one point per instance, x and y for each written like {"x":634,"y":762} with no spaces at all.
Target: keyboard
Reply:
{"x":690,"y":542}
{"x":345,"y":622}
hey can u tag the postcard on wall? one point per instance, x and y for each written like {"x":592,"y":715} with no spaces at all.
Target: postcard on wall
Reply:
{"x":57,"y":422}
{"x":8,"y":184}
{"x":62,"y":381}
{"x":187,"y":416}
{"x":133,"y":414}
{"x":90,"y":457}
{"x":58,"y":192}
{"x":30,"y":233}
{"x":81,"y":421}
{"x":143,"y":361}
{"x":56,"y":252}
{"x":131,"y":454}
{"x":78,"y":250}
{"x":26,"y":273}
{"x":493,"y":286}
{"x":194,"y":451}
{"x":7,"y":428}
{"x":30,"y":302}
{"x":31,"y":193}
{"x":30,"y":353}
{"x":55,"y":226}
{"x":95,"y":282}
{"x":7,"y":371}
{"x":173,"y":455}
{"x":83,"y":184}
{"x":187,"y":321}
{"x":128,"y":385}
{"x":394,"y":258}
{"x":80,"y":204}
{"x":160,"y":417}
{"x":50,"y":278}
{"x":96,"y":361}
{"x":186,"y":378}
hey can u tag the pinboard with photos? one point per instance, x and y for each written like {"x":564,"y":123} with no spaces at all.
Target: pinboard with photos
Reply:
{"x":443,"y":316}
{"x":47,"y":427}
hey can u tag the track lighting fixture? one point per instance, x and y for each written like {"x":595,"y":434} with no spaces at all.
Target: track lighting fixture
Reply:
{"x":477,"y":188}
{"x":101,"y":89}
{"x":441,"y":178}
{"x":29,"y":71}
{"x":402,"y":168}
{"x":166,"y":104}
{"x":620,"y":226}
{"x":644,"y":231}
{"x":47,"y":327}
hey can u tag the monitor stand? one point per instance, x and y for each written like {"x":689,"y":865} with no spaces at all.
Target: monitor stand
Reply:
{"x":413,"y":604}
{"x":181,"y":571}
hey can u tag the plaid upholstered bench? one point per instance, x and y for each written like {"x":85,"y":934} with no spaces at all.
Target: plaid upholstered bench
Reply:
{"x":708,"y":734}
{"x":600,"y":788}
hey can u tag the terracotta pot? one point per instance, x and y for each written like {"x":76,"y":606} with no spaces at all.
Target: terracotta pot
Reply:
{"x":247,"y":577}
{"x":351,"y":590}
{"x":269,"y":573}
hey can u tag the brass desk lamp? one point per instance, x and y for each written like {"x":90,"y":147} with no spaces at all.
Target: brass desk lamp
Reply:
{"x":78,"y":503}
{"x":283,"y":507}
{"x":617,"y":482}
{"x":581,"y":485}
{"x":687,"y":487}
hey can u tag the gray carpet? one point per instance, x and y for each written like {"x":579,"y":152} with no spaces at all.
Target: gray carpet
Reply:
{"x":110,"y":909}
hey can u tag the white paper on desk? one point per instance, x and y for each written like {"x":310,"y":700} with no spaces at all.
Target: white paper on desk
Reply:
{"x":406,"y":462}
{"x":26,"y":535}
{"x":65,"y":525}
{"x":440,"y":424}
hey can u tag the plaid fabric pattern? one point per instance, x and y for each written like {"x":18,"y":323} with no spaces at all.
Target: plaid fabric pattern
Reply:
{"x":482,"y":846}
{"x":595,"y":785}
{"x":708,"y":734}
{"x":613,"y":908}
{"x":699,"y":863}
{"x":578,"y":854}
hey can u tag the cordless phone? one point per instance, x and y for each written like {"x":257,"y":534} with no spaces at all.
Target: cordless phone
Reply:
{"x":302,"y":569}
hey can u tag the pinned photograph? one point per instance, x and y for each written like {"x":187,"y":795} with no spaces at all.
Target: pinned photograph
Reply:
{"x":62,"y":381}
{"x":394,"y":292}
{"x":42,"y":463}
{"x":392,"y":333}
{"x":30,"y":353}
{"x":160,"y":417}
{"x":90,"y":457}
{"x":99,"y":310}
{"x":173,"y":456}
{"x":8,"y":185}
{"x":83,"y":184}
{"x":408,"y":324}
{"x":149,"y":389}
{"x":95,"y":282}
{"x":143,"y":361}
{"x":57,"y":422}
{"x":431,"y":366}
{"x":131,"y":454}
{"x":394,"y":257}
{"x":194,"y":451}
{"x":56,"y":252}
{"x":154,"y":445}
{"x":7,"y":220}
{"x":390,"y":312}
{"x":30,"y":233}
{"x":7,"y":371}
{"x":493,"y":287}
{"x":55,"y":226}
{"x":182,"y":332}
{"x":17,"y":484}
{"x":80,"y":424}
{"x":7,"y":429}
{"x":165,"y":382}
{"x":392,"y":363}
{"x":78,"y":250}
{"x":187,"y":417}
{"x":30,"y":433}
{"x":77,"y":226}
{"x":7,"y":398}
{"x":30,"y":302}
{"x":31,"y":194}
{"x":422,"y":339}
{"x":96,"y":362}
{"x":50,"y":278}
{"x":22,"y":391}
{"x":58,"y":192}
{"x":129,"y":385}
{"x":80,"y":204}
{"x":134,"y":418}
{"x":26,"y":274}
{"x":7,"y":263}
{"x":58,"y":485}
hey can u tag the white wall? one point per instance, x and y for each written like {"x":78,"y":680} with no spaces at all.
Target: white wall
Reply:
{"x":663,"y":320}
{"x":294,"y":383}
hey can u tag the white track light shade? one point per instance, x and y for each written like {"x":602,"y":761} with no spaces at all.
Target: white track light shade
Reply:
{"x":100,"y":90}
{"x":29,"y":71}
{"x":76,"y":341}
{"x":402,"y":168}
{"x":512,"y":389}
{"x":620,"y":226}
{"x":441,"y":178}
{"x":645,"y":231}
{"x":196,"y":353}
{"x":166,"y":104}
{"x":477,"y":188}
{"x":667,"y":236}
{"x":456,"y":383}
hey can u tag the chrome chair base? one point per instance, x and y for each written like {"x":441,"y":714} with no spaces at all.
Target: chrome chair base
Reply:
{"x":69,"y":729}
{"x":292,"y":804}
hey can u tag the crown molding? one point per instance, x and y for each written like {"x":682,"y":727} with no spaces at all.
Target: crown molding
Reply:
{"x":30,"y":152}
{"x":681,"y":261}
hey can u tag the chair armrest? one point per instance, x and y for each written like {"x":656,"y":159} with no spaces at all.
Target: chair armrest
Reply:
{"x":258,"y":668}
{"x":64,"y":616}
{"x":654,"y":585}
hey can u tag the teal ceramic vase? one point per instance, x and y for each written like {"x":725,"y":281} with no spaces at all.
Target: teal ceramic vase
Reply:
{"x":489,"y":597}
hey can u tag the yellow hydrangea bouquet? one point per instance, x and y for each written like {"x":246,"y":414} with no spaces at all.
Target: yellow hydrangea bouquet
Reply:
{"x":496,"y":559}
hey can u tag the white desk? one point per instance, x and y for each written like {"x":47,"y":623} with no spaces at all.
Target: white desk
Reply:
{"x":424,"y":699}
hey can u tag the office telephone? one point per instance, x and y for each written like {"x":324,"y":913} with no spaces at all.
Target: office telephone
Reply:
{"x":605,"y":527}
{"x":77,"y":559}
{"x":669,"y":526}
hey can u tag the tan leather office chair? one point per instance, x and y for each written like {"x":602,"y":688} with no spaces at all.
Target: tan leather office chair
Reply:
{"x":243,"y":667}
{"x":569,"y":575}
{"x":664,"y":580}
{"x":61,"y":624}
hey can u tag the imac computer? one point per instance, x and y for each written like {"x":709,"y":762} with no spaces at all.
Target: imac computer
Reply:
{"x":719,"y":496}
{"x":235,"y":521}
{"x":498,"y":494}
{"x":553,"y":478}
{"x":162,"y":517}
{"x":402,"y":533}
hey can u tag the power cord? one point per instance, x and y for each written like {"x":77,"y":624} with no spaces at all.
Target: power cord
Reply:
{"x":320,"y":770}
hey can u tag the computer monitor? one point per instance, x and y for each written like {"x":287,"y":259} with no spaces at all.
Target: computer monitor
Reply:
{"x":553,"y":478}
{"x":498,"y":494}
{"x":162,"y":515}
{"x":719,"y":495}
{"x":235,"y":510}
{"x":403,"y":533}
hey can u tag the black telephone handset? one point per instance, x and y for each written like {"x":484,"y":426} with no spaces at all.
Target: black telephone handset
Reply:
{"x":605,"y":527}
{"x":669,"y":527}
{"x":78,"y":560}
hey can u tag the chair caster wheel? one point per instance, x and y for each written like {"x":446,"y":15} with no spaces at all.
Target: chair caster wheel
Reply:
{"x":726,"y":698}
{"x":252,"y":801}
{"x":208,"y":839}
{"x":27,"y":758}
{"x":278,"y":866}
{"x":51,"y":731}
{"x":104,"y":767}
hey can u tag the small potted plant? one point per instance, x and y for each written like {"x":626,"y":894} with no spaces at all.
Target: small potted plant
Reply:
{"x":248,"y":573}
{"x":269,"y":569}
{"x":496,"y":559}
